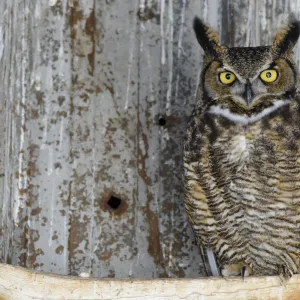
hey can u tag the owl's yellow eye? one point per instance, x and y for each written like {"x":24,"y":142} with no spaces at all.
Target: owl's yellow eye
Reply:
{"x":227,"y":77}
{"x":268,"y":75}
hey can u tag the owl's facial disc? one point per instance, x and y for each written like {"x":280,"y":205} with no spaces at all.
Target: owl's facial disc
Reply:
{"x":248,"y":83}
{"x":248,"y":94}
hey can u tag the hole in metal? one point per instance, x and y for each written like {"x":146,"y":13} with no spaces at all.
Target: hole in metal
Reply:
{"x":114,"y":202}
{"x":162,"y":121}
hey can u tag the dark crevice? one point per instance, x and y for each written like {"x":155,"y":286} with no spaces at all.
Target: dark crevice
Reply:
{"x":114,"y":202}
{"x":162,"y":121}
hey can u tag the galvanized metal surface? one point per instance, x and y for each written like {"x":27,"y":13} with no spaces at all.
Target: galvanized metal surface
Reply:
{"x":95,"y":97}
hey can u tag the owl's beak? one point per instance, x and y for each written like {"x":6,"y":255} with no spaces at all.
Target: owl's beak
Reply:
{"x":248,"y":93}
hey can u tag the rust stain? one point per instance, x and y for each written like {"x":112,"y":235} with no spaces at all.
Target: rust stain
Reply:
{"x":63,"y":114}
{"x":83,"y":133}
{"x":154,"y":247}
{"x":57,"y":165}
{"x":110,"y":88}
{"x":75,"y":17}
{"x":34,"y":256}
{"x":90,"y":29}
{"x":77,"y":231}
{"x":28,"y":256}
{"x":29,"y":196}
{"x":61,"y":100}
{"x":59,"y":249}
{"x":24,"y":244}
{"x":36,"y":211}
{"x":34,"y":114}
{"x":32,"y":170}
{"x":121,"y":123}
{"x":106,"y":255}
{"x":102,"y":174}
{"x":39,"y":95}
{"x":142,"y":157}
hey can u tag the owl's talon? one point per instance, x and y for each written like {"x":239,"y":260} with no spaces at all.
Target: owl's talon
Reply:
{"x":236,"y":269}
{"x":243,"y":272}
{"x":284,"y":272}
{"x":246,"y":271}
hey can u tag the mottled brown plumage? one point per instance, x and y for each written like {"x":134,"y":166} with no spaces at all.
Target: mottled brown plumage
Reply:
{"x":242,"y":156}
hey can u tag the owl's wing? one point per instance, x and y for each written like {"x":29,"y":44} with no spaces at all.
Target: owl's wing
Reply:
{"x":200,"y":216}
{"x":197,"y":169}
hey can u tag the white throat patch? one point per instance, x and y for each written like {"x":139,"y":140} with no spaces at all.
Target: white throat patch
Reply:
{"x":243,"y":119}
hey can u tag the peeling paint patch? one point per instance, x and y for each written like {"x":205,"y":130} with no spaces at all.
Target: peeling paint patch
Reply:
{"x":52,"y":2}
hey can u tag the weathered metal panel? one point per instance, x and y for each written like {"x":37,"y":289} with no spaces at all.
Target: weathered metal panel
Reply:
{"x":95,"y":98}
{"x":115,"y":121}
{"x":36,"y":74}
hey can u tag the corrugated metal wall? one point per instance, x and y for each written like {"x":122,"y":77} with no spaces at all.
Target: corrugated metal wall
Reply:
{"x":94,"y":101}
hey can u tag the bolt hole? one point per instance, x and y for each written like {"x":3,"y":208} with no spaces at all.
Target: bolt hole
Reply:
{"x":114,"y":202}
{"x":162,"y":121}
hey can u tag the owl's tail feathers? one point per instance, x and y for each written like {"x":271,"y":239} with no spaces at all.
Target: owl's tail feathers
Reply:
{"x":212,"y":262}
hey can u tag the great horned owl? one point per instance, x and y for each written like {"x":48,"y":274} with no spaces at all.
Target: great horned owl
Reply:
{"x":242,"y":156}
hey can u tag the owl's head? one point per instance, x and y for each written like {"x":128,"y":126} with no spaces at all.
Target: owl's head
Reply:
{"x":244,"y":84}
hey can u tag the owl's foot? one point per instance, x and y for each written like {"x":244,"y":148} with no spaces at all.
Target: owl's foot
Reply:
{"x":236,"y":269}
{"x":285,"y":272}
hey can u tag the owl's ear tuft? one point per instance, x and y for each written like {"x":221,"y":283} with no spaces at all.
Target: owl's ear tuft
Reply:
{"x":207,"y":37}
{"x":287,"y":37}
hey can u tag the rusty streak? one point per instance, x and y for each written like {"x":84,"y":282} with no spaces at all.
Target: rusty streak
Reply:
{"x":90,"y":29}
